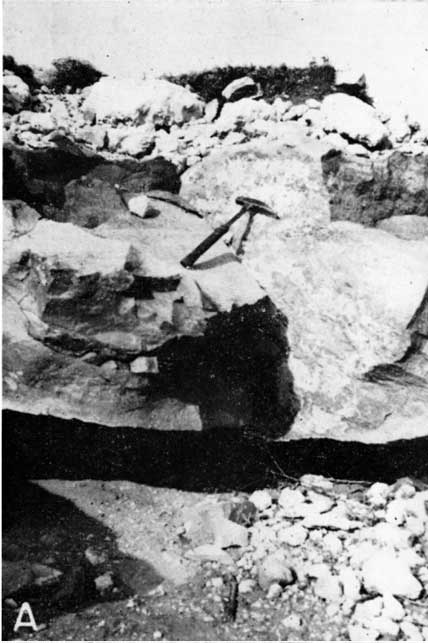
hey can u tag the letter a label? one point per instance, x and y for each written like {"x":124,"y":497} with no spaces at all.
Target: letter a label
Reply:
{"x":25,"y":610}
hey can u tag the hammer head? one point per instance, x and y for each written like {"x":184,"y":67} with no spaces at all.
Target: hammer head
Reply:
{"x":254,"y":206}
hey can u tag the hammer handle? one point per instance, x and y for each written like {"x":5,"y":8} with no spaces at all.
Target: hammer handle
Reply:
{"x":190,"y":259}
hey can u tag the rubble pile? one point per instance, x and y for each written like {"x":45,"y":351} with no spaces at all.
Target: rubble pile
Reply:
{"x":360,"y":558}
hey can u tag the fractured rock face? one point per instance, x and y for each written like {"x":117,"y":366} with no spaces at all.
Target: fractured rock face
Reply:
{"x":80,"y":308}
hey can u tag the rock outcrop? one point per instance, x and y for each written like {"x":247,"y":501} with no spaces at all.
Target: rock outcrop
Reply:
{"x":107,"y":326}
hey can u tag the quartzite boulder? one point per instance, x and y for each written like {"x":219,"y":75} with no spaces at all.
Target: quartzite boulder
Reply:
{"x":354,"y":297}
{"x":158,"y":102}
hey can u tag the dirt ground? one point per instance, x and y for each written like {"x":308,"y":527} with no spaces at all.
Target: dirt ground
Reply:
{"x":69,"y":489}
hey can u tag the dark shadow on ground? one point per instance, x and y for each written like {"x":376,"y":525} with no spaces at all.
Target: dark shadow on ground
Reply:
{"x":37,"y":447}
{"x":40,"y":527}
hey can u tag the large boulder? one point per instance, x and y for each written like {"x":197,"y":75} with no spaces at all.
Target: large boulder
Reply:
{"x":106,"y":326}
{"x":350,"y":293}
{"x":151,"y":101}
{"x":368,"y":189}
{"x":16,"y":94}
{"x":352,"y":118}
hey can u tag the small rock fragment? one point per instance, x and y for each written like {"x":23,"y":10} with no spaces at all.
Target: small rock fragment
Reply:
{"x":350,"y":583}
{"x":247,"y":586}
{"x":292,"y":621}
{"x":274,"y":569}
{"x":332,"y":543}
{"x":145,"y":365}
{"x":104,"y":582}
{"x":229,"y":534}
{"x":211,"y":552}
{"x":274,"y":592}
{"x":368,"y":609}
{"x":328,"y":587}
{"x":377,"y":494}
{"x":385,"y":626}
{"x":261,"y":500}
{"x":293,"y":536}
{"x":315,"y":481}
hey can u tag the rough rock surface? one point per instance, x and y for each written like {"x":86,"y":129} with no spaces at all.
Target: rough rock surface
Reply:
{"x":349,"y":293}
{"x":153,"y":101}
{"x":366,"y":190}
{"x":75,"y":301}
{"x":16,"y":94}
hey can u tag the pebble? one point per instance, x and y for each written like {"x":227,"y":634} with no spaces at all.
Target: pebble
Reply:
{"x":292,"y":621}
{"x":385,"y":626}
{"x":261,"y":500}
{"x":386,"y":573}
{"x":274,"y":569}
{"x":211,"y":552}
{"x":377,"y":494}
{"x":292,"y":502}
{"x":274,"y":592}
{"x":104,"y":582}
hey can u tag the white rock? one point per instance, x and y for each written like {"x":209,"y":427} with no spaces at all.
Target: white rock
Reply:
{"x":139,"y":142}
{"x":274,"y":592}
{"x":291,"y":500}
{"x":19,"y":92}
{"x":145,"y":365}
{"x":333,"y":544}
{"x":59,"y":112}
{"x":153,"y":101}
{"x":319,"y":502}
{"x":274,"y":569}
{"x":138,"y":205}
{"x":328,"y":587}
{"x":212,"y":553}
{"x":358,"y":150}
{"x":104,"y":582}
{"x":316,"y":481}
{"x":312,"y":103}
{"x":41,"y":122}
{"x":388,"y":534}
{"x":296,"y":112}
{"x":235,"y":115}
{"x":386,"y":573}
{"x":360,"y":633}
{"x":396,"y":512}
{"x":352,"y":117}
{"x":368,"y":609}
{"x":385,"y":626}
{"x":292,"y":621}
{"x":377,"y":494}
{"x":351,"y":584}
{"x":293,"y":536}
{"x":238,"y":86}
{"x":410,"y":631}
{"x":261,"y":500}
{"x":229,"y":534}
{"x":392,"y":608}
{"x":334,"y":141}
{"x":246,"y":586}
